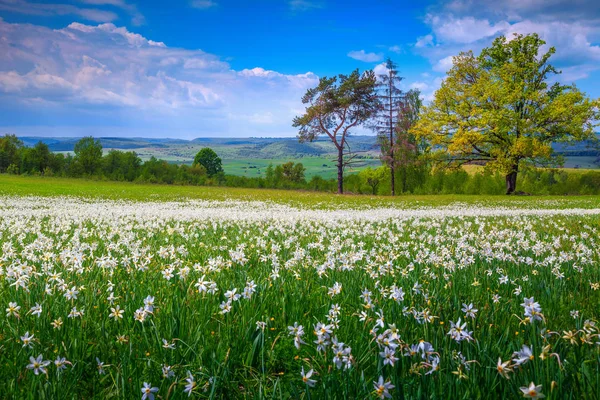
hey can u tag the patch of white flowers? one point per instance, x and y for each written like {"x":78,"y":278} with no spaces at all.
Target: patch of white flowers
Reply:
{"x":66,"y":261}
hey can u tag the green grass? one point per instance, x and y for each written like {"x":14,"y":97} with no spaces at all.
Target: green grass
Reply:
{"x":51,"y":186}
{"x":324,"y":167}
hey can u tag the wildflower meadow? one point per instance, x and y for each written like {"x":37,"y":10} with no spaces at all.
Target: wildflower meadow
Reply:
{"x":261,"y":299}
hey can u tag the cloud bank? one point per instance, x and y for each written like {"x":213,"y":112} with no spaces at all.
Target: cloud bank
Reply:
{"x":460,"y":25}
{"x":95,"y":73}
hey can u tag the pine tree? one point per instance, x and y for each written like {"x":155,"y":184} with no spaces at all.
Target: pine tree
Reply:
{"x":386,"y":119}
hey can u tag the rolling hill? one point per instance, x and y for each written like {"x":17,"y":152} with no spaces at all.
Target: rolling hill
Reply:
{"x":250,"y":156}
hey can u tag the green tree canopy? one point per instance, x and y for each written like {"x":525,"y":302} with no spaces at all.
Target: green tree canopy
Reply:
{"x":501,"y":109}
{"x":290,"y":172}
{"x":88,"y":153}
{"x":209,"y":160}
{"x":37,"y":158}
{"x":10,"y":145}
{"x":372,"y":177}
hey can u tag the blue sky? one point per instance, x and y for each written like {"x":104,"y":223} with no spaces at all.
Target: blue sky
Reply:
{"x":228,"y":68}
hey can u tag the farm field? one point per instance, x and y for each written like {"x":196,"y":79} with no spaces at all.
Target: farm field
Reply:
{"x":111,"y":289}
{"x":324,"y":167}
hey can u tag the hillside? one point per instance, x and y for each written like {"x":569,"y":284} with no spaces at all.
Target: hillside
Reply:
{"x":249,"y":156}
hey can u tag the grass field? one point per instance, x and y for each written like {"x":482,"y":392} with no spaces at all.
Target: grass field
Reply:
{"x":324,"y":167}
{"x":113,"y":290}
{"x":50,"y":186}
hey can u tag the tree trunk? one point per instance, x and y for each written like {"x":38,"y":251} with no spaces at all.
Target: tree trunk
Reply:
{"x":340,"y":166}
{"x":511,"y":180}
{"x":393,"y":172}
{"x":391,"y":121}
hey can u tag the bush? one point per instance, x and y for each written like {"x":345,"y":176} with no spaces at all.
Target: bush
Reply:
{"x":12,"y":169}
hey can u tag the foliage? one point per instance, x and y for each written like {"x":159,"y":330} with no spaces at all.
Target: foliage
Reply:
{"x":335,"y":106}
{"x":88,"y":155}
{"x":373,"y":177}
{"x":499,"y":108}
{"x":209,"y":160}
{"x":290,"y":172}
{"x":386,"y":119}
{"x":416,"y":178}
{"x":410,"y":152}
{"x":10,"y":146}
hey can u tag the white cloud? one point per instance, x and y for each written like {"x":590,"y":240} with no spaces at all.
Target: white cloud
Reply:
{"x":443,"y":65}
{"x":203,"y":4}
{"x":464,"y":30}
{"x":424,"y":41}
{"x":303,"y":5}
{"x":361,"y":55}
{"x":571,"y":40}
{"x":136,"y":17}
{"x":396,"y":49}
{"x":111,"y":73}
{"x":427,"y":87}
{"x":380,"y":69}
{"x":133,"y":39}
{"x":46,"y":9}
{"x":422,"y":86}
{"x":460,"y":25}
{"x":11,"y":81}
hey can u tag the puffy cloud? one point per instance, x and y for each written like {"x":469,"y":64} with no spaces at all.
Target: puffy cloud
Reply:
{"x":361,"y":55}
{"x":571,"y":40}
{"x":136,"y":17}
{"x":11,"y":81}
{"x":380,"y":69}
{"x":113,"y":74}
{"x":463,"y":30}
{"x":44,"y":9}
{"x":572,"y":28}
{"x":427,"y":87}
{"x":443,"y":65}
{"x":583,"y":11}
{"x":424,"y":41}
{"x":133,"y":39}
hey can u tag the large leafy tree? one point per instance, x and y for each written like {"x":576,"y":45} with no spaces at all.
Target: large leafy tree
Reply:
{"x":387,"y":116}
{"x":209,"y":160}
{"x":37,"y":158}
{"x":336,"y":106}
{"x":88,"y":154}
{"x":10,"y":147}
{"x":501,"y":109}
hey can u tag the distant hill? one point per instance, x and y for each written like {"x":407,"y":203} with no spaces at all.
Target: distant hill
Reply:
{"x":249,"y":156}
{"x":227,"y":148}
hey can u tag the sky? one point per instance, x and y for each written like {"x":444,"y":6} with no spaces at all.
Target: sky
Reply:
{"x":238,"y":68}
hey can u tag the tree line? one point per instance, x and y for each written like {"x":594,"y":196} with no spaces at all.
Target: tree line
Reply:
{"x":89,"y":161}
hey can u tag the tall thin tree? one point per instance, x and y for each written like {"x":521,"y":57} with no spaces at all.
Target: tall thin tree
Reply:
{"x":386,"y":119}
